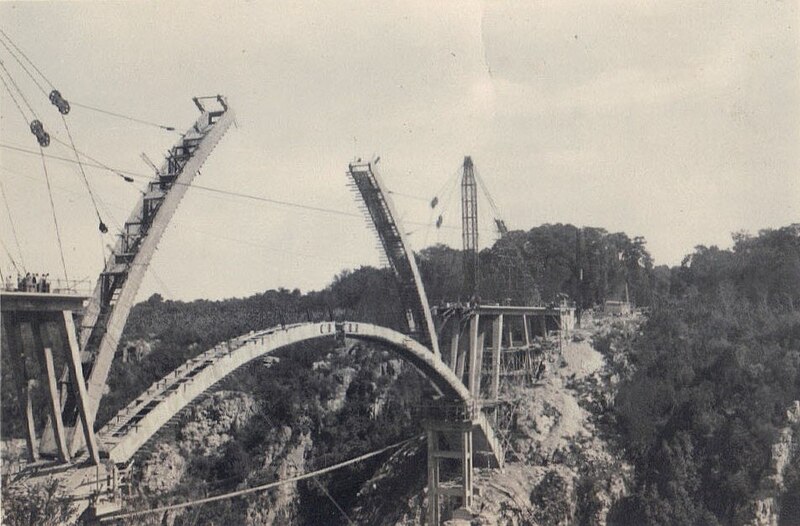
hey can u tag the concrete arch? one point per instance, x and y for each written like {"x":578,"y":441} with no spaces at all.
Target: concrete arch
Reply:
{"x":132,"y":427}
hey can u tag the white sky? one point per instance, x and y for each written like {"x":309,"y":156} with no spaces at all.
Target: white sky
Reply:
{"x":678,"y":121}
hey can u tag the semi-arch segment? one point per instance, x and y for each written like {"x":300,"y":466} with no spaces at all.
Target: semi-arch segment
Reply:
{"x":134,"y":425}
{"x":110,"y":304}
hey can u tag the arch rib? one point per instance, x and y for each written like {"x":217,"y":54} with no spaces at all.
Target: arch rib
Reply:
{"x":133,"y":426}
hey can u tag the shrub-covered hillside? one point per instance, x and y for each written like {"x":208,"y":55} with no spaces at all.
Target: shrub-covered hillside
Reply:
{"x":717,"y":367}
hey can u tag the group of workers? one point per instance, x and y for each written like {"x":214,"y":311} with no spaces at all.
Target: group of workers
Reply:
{"x":28,"y":283}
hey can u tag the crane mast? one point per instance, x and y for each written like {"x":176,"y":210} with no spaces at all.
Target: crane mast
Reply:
{"x":469,"y":228}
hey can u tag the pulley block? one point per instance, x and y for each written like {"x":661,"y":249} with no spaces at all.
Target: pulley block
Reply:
{"x":59,"y":102}
{"x":38,"y":130}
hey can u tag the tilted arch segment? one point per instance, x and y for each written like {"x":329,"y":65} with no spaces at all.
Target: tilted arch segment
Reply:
{"x":108,"y":309}
{"x":126,"y":433}
{"x":383,"y":217}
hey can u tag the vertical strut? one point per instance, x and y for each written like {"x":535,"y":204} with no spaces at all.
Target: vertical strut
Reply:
{"x":13,"y":330}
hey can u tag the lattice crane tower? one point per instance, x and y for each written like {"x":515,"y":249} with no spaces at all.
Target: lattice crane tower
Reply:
{"x":469,"y":228}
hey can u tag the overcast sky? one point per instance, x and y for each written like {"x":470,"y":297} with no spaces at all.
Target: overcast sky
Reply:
{"x":676,"y":121}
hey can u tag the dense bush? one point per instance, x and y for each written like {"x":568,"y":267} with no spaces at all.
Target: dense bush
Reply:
{"x":43,"y":504}
{"x":717,"y":366}
{"x":590,"y":265}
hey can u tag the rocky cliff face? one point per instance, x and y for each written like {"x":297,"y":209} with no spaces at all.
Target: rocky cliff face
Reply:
{"x":765,"y":510}
{"x":189,"y":461}
{"x":207,"y":428}
{"x":163,"y":470}
{"x":562,"y":469}
{"x":562,"y":466}
{"x":212,"y":423}
{"x":285,"y":459}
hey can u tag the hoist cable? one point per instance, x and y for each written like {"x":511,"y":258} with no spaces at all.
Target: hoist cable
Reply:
{"x":242,"y":195}
{"x":25,"y":69}
{"x":13,"y":226}
{"x":448,"y":181}
{"x":98,"y":164}
{"x":492,"y":204}
{"x":55,"y":218}
{"x":52,"y":86}
{"x":255,"y":489}
{"x":26,"y":58}
{"x":19,"y":91}
{"x":121,"y":116}
{"x":103,"y":227}
{"x":8,"y":253}
{"x":447,"y":199}
{"x":16,"y":102}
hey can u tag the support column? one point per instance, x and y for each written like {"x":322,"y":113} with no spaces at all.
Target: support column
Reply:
{"x":461,"y":363}
{"x":454,"y":340}
{"x":526,"y":330}
{"x":497,"y":343}
{"x":479,"y":364}
{"x":45,"y":356}
{"x":563,"y":326}
{"x":433,"y":479}
{"x":76,"y":371}
{"x":543,"y":324}
{"x":21,"y":380}
{"x":474,"y":351}
{"x":466,"y":468}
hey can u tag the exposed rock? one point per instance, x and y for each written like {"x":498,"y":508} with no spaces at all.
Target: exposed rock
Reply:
{"x":163,"y":470}
{"x":280,"y":506}
{"x":135,"y":350}
{"x":213,"y":422}
{"x":210,"y":425}
{"x":562,"y":470}
{"x":343,"y":378}
{"x":765,"y":510}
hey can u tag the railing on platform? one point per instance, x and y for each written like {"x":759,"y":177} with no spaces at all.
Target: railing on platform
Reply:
{"x":77,"y":287}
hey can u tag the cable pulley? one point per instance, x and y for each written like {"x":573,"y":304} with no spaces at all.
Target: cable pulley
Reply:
{"x":103,"y":227}
{"x":38,"y":130}
{"x":434,"y":202}
{"x":59,"y":102}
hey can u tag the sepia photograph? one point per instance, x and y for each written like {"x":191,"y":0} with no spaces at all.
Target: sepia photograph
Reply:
{"x":400,"y":262}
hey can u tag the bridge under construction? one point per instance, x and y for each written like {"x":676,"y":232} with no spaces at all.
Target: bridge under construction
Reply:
{"x":94,"y":465}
